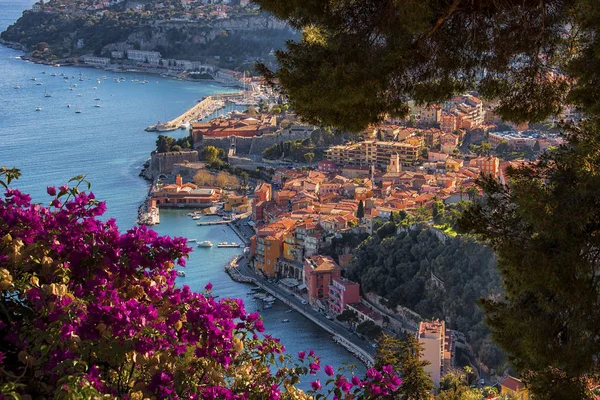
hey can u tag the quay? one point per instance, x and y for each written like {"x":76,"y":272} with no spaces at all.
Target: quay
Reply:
{"x":237,"y":270}
{"x":222,"y":222}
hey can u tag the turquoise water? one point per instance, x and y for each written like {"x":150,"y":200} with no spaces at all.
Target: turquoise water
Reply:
{"x":109,"y":145}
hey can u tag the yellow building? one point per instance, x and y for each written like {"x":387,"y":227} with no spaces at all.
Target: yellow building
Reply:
{"x":515,"y":388}
{"x":268,"y":250}
{"x":235,"y":203}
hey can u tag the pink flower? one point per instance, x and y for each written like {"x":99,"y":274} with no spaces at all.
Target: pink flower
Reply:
{"x":316,"y":385}
{"x":51,"y":190}
{"x":301,"y":355}
{"x":329,"y":370}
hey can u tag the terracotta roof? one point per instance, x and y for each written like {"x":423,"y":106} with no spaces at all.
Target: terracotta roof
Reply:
{"x":512,"y":383}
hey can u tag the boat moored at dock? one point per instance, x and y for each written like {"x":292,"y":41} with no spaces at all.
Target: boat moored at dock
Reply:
{"x":228,"y":245}
{"x":205,"y":243}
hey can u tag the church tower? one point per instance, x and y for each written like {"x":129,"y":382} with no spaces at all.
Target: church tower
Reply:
{"x":394,"y":166}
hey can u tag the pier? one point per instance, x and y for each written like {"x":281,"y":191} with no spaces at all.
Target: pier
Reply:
{"x":222,"y":222}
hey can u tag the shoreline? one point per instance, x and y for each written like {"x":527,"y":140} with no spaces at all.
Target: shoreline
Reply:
{"x":234,"y":273}
{"x":115,"y":68}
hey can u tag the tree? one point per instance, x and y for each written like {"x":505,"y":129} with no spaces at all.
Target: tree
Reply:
{"x":223,"y":179}
{"x":362,"y":56}
{"x":536,"y":146}
{"x":406,"y":358}
{"x":164,"y":143}
{"x":472,"y":192}
{"x":204,"y":178}
{"x":369,"y":329}
{"x":210,"y":154}
{"x":360,"y":212}
{"x":309,"y":157}
{"x":348,"y":316}
{"x":543,"y":226}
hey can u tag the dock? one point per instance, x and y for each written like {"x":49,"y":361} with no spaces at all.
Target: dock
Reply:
{"x":222,"y":222}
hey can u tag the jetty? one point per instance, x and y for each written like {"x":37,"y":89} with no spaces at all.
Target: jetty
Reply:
{"x":206,"y":223}
{"x":203,"y":109}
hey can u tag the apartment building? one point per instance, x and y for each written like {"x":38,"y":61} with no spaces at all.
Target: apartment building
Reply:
{"x":319,"y":273}
{"x":146,"y":57}
{"x":377,"y":153}
{"x":438,"y":348}
{"x":342,"y":292}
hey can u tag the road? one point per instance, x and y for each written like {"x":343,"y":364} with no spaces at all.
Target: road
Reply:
{"x":294,"y":301}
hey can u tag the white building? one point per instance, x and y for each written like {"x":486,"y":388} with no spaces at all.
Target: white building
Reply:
{"x":117,"y":54}
{"x":146,"y":57}
{"x":97,"y":61}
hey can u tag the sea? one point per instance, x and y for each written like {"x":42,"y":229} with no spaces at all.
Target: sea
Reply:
{"x":109,"y":146}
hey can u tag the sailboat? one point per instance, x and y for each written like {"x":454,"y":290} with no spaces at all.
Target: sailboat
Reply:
{"x":46,"y":94}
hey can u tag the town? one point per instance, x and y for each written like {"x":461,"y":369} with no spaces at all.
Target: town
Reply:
{"x":293,"y":209}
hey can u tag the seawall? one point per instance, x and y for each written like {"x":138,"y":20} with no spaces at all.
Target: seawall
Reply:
{"x":164,"y":163}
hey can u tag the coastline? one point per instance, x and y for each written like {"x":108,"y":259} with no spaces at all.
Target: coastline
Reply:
{"x":232,"y":269}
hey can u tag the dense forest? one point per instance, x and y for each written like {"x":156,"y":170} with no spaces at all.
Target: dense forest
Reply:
{"x":399,"y":267}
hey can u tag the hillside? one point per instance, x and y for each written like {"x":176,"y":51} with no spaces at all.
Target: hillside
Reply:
{"x":230,"y":36}
{"x":399,"y":267}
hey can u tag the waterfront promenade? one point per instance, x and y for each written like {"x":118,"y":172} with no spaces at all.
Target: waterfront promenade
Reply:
{"x":362,"y":349}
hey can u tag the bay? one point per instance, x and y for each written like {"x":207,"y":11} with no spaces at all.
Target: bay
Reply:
{"x":109,"y":146}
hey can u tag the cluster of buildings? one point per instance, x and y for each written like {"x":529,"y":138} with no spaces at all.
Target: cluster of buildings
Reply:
{"x":242,"y":127}
{"x":181,"y":194}
{"x":527,"y":139}
{"x":460,"y":112}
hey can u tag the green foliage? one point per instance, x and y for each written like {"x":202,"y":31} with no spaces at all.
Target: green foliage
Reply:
{"x":369,"y":329}
{"x":309,"y":157}
{"x":210,"y":154}
{"x":483,"y":149}
{"x":405,"y":356}
{"x":399,"y":267}
{"x":360,"y":55}
{"x":348,"y":316}
{"x":360,"y":212}
{"x":165,"y":144}
{"x":544,"y":228}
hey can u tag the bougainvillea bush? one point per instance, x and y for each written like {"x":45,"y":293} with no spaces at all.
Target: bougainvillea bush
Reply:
{"x":89,"y":312}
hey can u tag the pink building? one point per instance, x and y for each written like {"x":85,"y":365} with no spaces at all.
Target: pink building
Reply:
{"x":342,"y":292}
{"x":327,"y":166}
{"x":319,"y":273}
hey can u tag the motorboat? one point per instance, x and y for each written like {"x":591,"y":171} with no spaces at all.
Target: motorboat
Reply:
{"x":97,"y":105}
{"x":68,"y":106}
{"x":180,"y":273}
{"x":205,"y":243}
{"x":38,"y":109}
{"x":192,"y":240}
{"x":285,"y":320}
{"x":17,"y":87}
{"x":78,"y":112}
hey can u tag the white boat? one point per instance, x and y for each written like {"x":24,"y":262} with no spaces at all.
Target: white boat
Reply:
{"x":195,"y":217}
{"x":34,"y":79}
{"x":205,"y":243}
{"x":17,"y":87}
{"x":180,"y":273}
{"x":269,"y":299}
{"x":226,"y":244}
{"x":97,"y":105}
{"x":78,"y":94}
{"x":285,"y":320}
{"x":39,"y":84}
{"x":192,"y":240}
{"x":97,"y":99}
{"x":47,"y":94}
{"x":68,"y":106}
{"x":53,"y":74}
{"x":289,"y":311}
{"x":38,"y":109}
{"x":78,"y":112}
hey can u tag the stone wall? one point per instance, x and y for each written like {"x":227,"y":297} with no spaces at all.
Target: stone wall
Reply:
{"x":163,"y":163}
{"x":254,"y":145}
